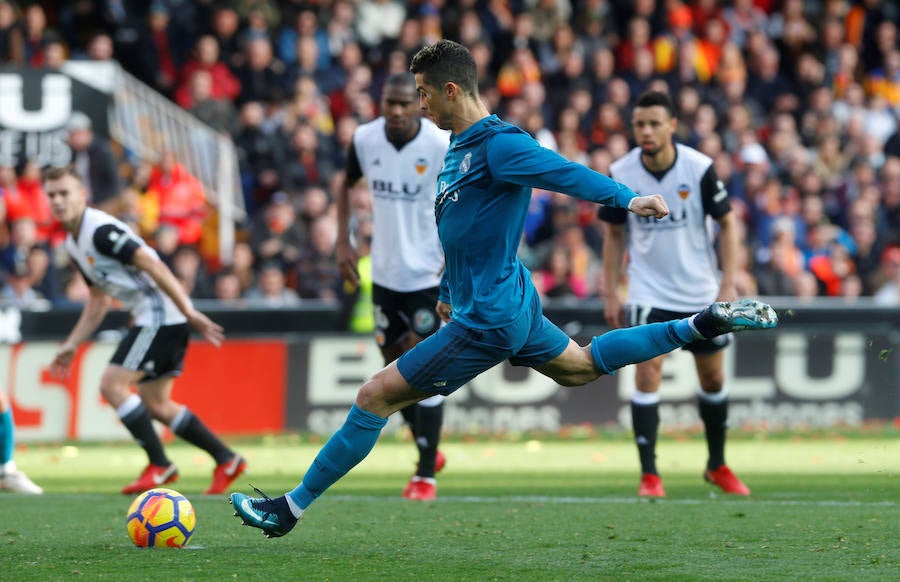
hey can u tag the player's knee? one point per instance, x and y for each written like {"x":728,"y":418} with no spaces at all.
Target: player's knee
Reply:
{"x":371,"y":396}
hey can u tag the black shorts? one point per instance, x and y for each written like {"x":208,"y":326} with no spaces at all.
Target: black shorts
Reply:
{"x":155,"y":351}
{"x":641,"y":314}
{"x":398,"y":313}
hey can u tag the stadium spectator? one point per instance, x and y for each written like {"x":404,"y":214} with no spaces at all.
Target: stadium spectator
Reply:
{"x":270,"y":290}
{"x":12,"y":41}
{"x":223,"y":84}
{"x":93,"y":158}
{"x":261,"y":75}
{"x":317,"y":273}
{"x":276,"y":235}
{"x":27,"y":200}
{"x":189,"y":268}
{"x":227,"y":288}
{"x":182,"y":203}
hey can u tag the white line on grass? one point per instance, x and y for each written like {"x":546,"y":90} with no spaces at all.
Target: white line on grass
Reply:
{"x":623,"y":500}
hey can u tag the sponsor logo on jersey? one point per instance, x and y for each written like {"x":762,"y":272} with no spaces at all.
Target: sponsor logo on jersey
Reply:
{"x":684,"y":191}
{"x":421,"y":165}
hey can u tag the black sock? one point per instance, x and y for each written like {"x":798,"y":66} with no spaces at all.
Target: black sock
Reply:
{"x":428,"y":435}
{"x":706,"y":325}
{"x":645,"y":421}
{"x":411,"y":416}
{"x":140,"y":425}
{"x":192,"y":429}
{"x":715,"y":419}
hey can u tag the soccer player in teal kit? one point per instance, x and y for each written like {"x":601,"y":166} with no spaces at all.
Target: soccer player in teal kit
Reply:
{"x":492,"y":310}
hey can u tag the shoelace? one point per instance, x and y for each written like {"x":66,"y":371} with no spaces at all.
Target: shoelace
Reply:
{"x":267,"y":498}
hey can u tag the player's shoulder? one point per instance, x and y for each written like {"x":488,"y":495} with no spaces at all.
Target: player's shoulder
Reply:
{"x":693,"y":158}
{"x":370,"y":130}
{"x":94,"y":219}
{"x":630,"y":161}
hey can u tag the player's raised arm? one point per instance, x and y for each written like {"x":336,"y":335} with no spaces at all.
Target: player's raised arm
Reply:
{"x":163,"y":277}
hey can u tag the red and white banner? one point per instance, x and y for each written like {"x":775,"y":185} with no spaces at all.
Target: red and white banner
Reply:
{"x":239,"y":388}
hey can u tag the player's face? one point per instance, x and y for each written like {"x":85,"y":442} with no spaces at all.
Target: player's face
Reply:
{"x":653,"y":128}
{"x":400,"y":107}
{"x":67,"y":197}
{"x":433,"y":103}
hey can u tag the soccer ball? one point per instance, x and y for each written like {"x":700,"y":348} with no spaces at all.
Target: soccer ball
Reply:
{"x":161,"y":518}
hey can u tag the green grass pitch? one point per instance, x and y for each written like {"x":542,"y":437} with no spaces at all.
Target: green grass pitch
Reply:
{"x":824,"y":507}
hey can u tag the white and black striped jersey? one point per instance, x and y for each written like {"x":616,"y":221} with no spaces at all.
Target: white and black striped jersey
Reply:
{"x":406,"y":251}
{"x":673,"y":262}
{"x":103,"y":252}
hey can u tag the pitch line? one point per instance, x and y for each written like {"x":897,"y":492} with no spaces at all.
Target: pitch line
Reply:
{"x":622,"y":500}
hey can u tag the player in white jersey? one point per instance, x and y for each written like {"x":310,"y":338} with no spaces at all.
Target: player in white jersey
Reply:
{"x":672,"y":271}
{"x":400,"y":155}
{"x":116,"y":263}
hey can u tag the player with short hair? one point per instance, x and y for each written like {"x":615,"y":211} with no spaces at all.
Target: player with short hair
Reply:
{"x":400,"y":155}
{"x":11,"y":477}
{"x":491,"y":307}
{"x":672,"y":272}
{"x":116,"y":263}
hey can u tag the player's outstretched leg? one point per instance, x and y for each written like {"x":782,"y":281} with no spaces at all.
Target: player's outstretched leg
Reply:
{"x":630,"y":345}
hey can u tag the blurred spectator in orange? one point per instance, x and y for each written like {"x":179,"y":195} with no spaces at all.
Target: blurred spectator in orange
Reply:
{"x":182,"y":203}
{"x":27,"y":200}
{"x":223,"y":83}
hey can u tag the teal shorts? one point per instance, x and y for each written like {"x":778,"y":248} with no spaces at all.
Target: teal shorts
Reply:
{"x":455,"y":354}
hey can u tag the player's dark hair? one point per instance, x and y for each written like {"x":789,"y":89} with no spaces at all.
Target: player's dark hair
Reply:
{"x":446,"y":61}
{"x":654,"y":98}
{"x":55,"y":173}
{"x":402,"y":80}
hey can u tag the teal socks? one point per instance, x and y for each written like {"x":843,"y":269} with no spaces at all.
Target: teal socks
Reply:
{"x":343,"y":451}
{"x":630,"y":345}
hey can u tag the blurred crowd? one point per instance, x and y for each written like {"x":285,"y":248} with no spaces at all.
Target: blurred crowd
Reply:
{"x":797,"y":102}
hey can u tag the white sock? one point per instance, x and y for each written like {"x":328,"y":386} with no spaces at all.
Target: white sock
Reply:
{"x":295,"y":509}
{"x":8,"y":468}
{"x":431,"y":480}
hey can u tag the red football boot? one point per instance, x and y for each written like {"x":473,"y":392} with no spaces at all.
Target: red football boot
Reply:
{"x":152,"y":476}
{"x":725,"y":480}
{"x":225,"y":474}
{"x":420,"y":489}
{"x":651,"y":486}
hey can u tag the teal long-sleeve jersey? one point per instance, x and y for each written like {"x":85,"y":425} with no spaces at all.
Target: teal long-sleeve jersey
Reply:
{"x":484,"y":191}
